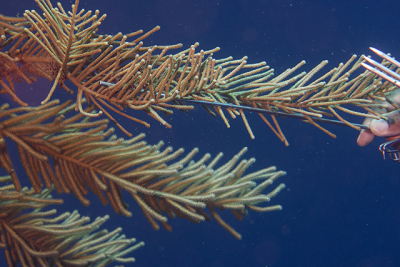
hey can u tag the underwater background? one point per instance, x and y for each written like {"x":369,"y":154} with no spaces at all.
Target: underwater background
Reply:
{"x":341,"y":202}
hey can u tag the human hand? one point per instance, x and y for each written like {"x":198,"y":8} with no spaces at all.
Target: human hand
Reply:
{"x":389,"y":129}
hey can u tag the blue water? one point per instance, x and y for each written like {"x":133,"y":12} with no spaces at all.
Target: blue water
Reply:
{"x":341,"y":204}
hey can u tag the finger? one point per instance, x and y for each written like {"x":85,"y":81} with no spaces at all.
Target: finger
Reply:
{"x":366,"y":136}
{"x":396,"y":96}
{"x":379,"y":127}
{"x":393,"y":96}
{"x":394,"y":145}
{"x":391,"y":138}
{"x":387,"y":128}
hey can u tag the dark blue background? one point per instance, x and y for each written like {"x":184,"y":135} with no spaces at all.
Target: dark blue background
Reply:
{"x":341,"y":203}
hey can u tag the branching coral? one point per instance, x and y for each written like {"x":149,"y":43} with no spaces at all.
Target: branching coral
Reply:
{"x":79,"y":153}
{"x":65,"y":46}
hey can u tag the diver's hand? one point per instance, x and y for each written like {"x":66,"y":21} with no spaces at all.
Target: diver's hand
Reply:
{"x":389,"y":129}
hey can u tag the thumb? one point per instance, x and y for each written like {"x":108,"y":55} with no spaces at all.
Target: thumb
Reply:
{"x":387,"y":128}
